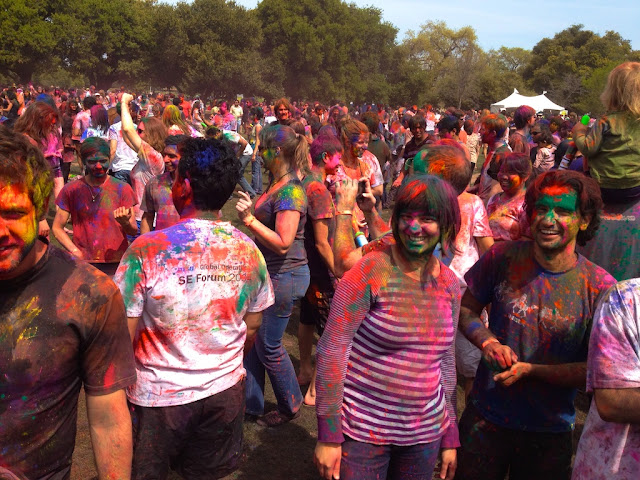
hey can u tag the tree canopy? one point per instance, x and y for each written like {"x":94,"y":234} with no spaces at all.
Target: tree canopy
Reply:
{"x":327,"y":50}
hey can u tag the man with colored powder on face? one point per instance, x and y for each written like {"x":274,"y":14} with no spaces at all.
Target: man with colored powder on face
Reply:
{"x":100,"y":208}
{"x":543,"y":296}
{"x":157,"y":204}
{"x":609,"y":446}
{"x":62,"y":327}
{"x":194,"y":294}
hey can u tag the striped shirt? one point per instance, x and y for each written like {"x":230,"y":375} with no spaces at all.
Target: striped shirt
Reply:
{"x":386,"y":363}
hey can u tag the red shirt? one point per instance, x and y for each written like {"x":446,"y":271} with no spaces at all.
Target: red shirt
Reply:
{"x":96,"y":232}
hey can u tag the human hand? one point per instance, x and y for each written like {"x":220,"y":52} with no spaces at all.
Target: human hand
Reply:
{"x":498,"y":357}
{"x":449,"y":457}
{"x":346,"y":192}
{"x":398,"y":181}
{"x":244,"y":205}
{"x":123,"y":215}
{"x":327,"y":458}
{"x":126,"y":99}
{"x":43,"y":228}
{"x":366,"y":201}
{"x":517,"y":371}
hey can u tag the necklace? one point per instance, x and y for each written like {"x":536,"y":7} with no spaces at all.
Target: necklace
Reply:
{"x":93,"y":197}
{"x":280,"y":178}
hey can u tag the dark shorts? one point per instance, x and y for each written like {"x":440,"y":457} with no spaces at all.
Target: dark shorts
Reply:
{"x":488,"y":451}
{"x":315,"y":305}
{"x":199,"y":440}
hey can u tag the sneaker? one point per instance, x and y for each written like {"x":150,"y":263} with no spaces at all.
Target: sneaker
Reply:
{"x":276,"y":418}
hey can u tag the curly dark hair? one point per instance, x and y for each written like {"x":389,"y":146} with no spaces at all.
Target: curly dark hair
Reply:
{"x":23,"y":163}
{"x":587,"y":189}
{"x":212,"y":169}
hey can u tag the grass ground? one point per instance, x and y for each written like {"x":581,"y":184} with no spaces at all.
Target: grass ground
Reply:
{"x":269,"y":454}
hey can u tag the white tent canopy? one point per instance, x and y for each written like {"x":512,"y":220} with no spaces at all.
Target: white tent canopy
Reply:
{"x":539,"y":103}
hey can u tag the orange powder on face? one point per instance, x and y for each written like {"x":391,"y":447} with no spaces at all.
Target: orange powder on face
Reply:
{"x":554,"y":190}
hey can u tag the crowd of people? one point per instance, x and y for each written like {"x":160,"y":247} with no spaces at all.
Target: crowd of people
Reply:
{"x":510,"y":267}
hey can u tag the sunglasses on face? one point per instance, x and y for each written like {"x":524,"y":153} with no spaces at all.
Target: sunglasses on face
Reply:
{"x":140,"y":130}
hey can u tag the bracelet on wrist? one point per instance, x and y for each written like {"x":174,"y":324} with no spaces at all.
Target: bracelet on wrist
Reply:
{"x":488,"y":341}
{"x":344,"y":212}
{"x":248,"y":222}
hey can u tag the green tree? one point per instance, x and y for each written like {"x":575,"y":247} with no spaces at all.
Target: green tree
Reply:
{"x":103,"y":39}
{"x":560,"y":65}
{"x":210,"y":47}
{"x":498,"y":73}
{"x":28,"y":36}
{"x":327,"y":49}
{"x":446,"y":59}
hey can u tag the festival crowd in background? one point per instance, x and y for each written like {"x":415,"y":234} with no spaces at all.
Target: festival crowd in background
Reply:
{"x":510,"y":267}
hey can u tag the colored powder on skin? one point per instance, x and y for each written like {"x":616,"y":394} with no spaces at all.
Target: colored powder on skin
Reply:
{"x":566,"y":200}
{"x":560,"y":196}
{"x":110,"y":375}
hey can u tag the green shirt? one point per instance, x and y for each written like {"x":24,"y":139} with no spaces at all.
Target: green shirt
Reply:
{"x":612,"y":149}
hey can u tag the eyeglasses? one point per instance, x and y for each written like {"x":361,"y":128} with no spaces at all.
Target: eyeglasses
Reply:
{"x":536,"y":133}
{"x":140,"y":130}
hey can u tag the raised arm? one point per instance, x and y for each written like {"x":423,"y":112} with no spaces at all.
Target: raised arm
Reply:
{"x":129,"y":132}
{"x":345,"y":253}
{"x":367,"y":203}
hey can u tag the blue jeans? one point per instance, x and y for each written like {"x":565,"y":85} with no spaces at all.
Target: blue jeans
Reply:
{"x":269,"y":354}
{"x":243,"y":181}
{"x":256,"y":175}
{"x":365,"y":461}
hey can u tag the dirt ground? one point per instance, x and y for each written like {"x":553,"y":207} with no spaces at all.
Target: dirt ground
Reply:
{"x":268,"y":454}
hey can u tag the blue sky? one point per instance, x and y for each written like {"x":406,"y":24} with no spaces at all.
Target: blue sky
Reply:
{"x":514,"y":24}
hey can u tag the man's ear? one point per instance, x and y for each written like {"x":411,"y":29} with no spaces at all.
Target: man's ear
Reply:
{"x":183,"y":185}
{"x":585,"y":221}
